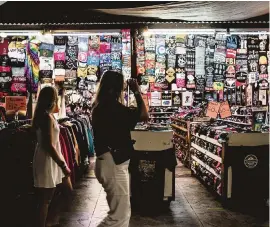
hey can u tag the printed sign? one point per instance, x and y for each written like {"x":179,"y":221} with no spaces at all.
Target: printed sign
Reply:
{"x":212,"y":109}
{"x":251,"y":161}
{"x":176,"y":98}
{"x":187,"y":98}
{"x":166,"y":97}
{"x":15,"y":103}
{"x":225,"y":110}
{"x":155,"y":98}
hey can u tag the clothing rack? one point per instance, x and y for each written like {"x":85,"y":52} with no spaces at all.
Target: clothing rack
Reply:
{"x":19,"y":123}
{"x":3,"y":115}
{"x":62,"y":120}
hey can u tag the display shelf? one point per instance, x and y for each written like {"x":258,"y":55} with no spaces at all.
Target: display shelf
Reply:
{"x":211,"y":188}
{"x":182,"y":137}
{"x":211,"y":155}
{"x":180,"y":144}
{"x":158,"y":117}
{"x":177,"y":119}
{"x":208,"y":168}
{"x":208,"y":139}
{"x":161,"y":112}
{"x":184,"y":154}
{"x":178,"y":127}
{"x":239,"y":123}
{"x":162,"y":123}
{"x":240,"y":115}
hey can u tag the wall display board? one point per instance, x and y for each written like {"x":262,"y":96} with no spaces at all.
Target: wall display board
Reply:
{"x":219,"y":66}
{"x":76,"y":60}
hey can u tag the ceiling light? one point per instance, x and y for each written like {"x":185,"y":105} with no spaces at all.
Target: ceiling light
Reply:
{"x":85,"y":34}
{"x":20,"y":34}
{"x":179,"y":31}
{"x":251,"y":33}
{"x":3,"y":35}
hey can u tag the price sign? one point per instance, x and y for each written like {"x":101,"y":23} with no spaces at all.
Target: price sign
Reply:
{"x":225,"y":110}
{"x":212,"y":109}
{"x":15,"y":103}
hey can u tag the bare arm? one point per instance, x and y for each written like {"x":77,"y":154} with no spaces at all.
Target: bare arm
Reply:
{"x":135,"y":88}
{"x":141,"y":106}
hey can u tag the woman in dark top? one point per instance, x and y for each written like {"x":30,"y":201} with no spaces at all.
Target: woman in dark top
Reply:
{"x":112,"y":123}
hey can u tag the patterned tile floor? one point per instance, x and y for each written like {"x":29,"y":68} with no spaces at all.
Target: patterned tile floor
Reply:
{"x":194,"y":206}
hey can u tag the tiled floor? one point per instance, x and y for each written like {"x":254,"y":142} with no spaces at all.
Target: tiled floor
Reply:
{"x":194,"y":207}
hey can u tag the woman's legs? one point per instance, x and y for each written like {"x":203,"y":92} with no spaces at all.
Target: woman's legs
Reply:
{"x":54,"y":208}
{"x":45,"y":196}
{"x":60,"y":199}
{"x":115,"y":181}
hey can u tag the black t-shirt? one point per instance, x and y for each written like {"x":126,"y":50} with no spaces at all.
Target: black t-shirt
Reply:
{"x":112,"y":123}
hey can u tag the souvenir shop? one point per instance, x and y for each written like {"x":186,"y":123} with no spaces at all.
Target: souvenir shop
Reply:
{"x":211,"y":88}
{"x":206,"y":91}
{"x":73,"y":63}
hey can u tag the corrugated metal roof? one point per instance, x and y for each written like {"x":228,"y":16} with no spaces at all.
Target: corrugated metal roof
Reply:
{"x":138,"y":22}
{"x":134,"y":24}
{"x":81,"y":15}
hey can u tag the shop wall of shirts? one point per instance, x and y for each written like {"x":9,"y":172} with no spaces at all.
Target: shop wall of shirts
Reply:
{"x":185,"y":69}
{"x":76,"y":61}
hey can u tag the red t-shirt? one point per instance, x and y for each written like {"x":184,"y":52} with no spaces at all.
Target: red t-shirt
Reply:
{"x":4,"y":47}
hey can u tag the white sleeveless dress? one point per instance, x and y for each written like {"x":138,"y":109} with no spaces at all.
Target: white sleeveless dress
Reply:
{"x":47,"y":174}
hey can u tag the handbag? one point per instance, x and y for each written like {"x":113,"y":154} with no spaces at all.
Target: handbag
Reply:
{"x":67,"y":185}
{"x":119,"y":155}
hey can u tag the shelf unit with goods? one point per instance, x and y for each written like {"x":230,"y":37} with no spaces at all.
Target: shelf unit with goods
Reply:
{"x":161,"y":115}
{"x":231,"y":169}
{"x":207,"y":161}
{"x":181,"y":137}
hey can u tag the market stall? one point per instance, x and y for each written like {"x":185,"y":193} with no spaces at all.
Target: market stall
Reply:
{"x":71,"y":61}
{"x":217,"y":81}
{"x":180,"y":72}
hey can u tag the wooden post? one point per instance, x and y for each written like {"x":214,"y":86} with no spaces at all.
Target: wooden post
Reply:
{"x":133,"y":33}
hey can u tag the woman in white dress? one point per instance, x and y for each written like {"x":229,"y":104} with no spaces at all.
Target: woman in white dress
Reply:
{"x":49,"y":166}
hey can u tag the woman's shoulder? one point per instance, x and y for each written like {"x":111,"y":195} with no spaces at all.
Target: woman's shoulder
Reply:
{"x":46,"y":120}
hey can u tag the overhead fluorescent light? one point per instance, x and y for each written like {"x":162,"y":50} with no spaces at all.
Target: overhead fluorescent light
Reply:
{"x":251,"y":33}
{"x":85,"y":34}
{"x":55,"y":33}
{"x":3,"y":35}
{"x":18,"y":33}
{"x":226,"y":32}
{"x":179,"y":31}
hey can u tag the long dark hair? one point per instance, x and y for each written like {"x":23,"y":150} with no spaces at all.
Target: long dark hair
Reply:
{"x":46,"y":102}
{"x":110,"y":88}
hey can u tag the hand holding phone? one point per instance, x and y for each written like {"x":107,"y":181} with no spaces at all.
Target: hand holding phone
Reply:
{"x":133,"y":85}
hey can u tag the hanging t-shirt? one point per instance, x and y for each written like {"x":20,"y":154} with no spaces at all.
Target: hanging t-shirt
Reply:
{"x":3,"y":46}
